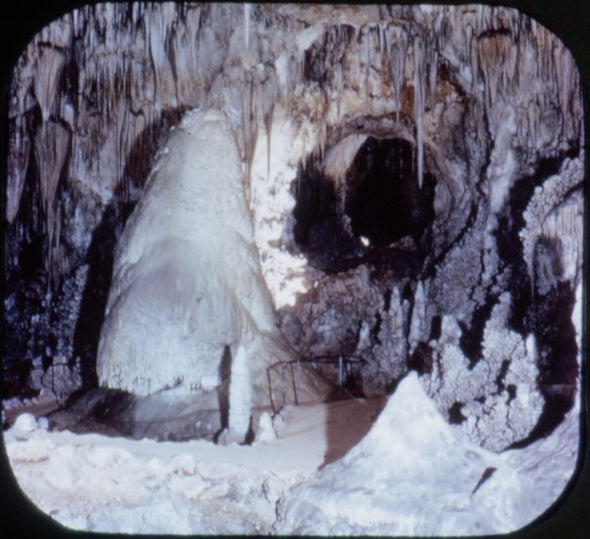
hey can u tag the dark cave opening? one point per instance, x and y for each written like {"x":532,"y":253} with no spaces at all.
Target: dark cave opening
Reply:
{"x":456,"y":417}
{"x":382,"y":204}
{"x":384,"y":200}
{"x":319,"y":230}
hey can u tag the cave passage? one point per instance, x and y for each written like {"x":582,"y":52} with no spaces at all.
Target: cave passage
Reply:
{"x":382,"y":202}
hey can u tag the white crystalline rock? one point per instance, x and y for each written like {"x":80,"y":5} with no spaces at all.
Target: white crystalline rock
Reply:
{"x":503,"y":163}
{"x":266,"y":432}
{"x":240,"y":392}
{"x":409,"y":470}
{"x":418,"y":322}
{"x":25,"y":422}
{"x":187,"y":280}
{"x":339,"y":158}
{"x":556,"y":210}
{"x":415,"y":475}
{"x":364,"y":340}
{"x":450,"y":330}
{"x":412,"y":474}
{"x":247,"y":7}
{"x":271,"y":202}
{"x":577,"y":319}
{"x":494,"y":419}
{"x":531,"y":479}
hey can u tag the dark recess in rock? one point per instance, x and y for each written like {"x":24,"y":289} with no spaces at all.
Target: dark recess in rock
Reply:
{"x":100,"y":258}
{"x":472,"y":334}
{"x":384,"y":201}
{"x":455,"y":415}
{"x":318,"y":230}
{"x":435,"y":328}
{"x":421,"y":358}
{"x":502,"y":374}
{"x":510,"y":223}
{"x":556,"y":343}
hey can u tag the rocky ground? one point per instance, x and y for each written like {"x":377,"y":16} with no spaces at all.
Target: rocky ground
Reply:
{"x":345,"y":467}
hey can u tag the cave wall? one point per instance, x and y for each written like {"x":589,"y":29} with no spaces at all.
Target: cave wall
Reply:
{"x":489,"y":101}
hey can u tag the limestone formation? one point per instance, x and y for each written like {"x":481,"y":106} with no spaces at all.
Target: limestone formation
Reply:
{"x":414,"y":177}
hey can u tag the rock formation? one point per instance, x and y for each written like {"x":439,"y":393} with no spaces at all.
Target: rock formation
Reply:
{"x":427,"y":160}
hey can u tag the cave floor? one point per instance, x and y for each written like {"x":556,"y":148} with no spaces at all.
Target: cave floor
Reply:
{"x":114,"y":484}
{"x":318,"y":434}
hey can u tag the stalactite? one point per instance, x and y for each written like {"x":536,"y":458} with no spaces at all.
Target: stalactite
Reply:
{"x":52,"y":145}
{"x":19,"y":154}
{"x":268,"y":97}
{"x":432,"y":77}
{"x":367,"y":37}
{"x":419,"y":105}
{"x":397,"y":37}
{"x":249,"y":113}
{"x":338,"y":90}
{"x":382,"y":43}
{"x":565,"y":71}
{"x":247,"y":25}
{"x":49,"y":66}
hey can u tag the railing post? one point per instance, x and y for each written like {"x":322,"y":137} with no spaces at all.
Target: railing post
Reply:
{"x":297,"y":382}
{"x":284,"y":384}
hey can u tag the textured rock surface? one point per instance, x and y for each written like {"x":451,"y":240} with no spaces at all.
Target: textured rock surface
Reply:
{"x":413,"y":474}
{"x":187,"y":281}
{"x":475,"y":110}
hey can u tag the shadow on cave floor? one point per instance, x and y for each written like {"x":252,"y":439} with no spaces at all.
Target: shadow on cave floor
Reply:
{"x":348,"y":420}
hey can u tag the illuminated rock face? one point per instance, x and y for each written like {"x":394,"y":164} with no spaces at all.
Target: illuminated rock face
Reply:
{"x":186,"y":280}
{"x":467,"y":118}
{"x":187,"y":283}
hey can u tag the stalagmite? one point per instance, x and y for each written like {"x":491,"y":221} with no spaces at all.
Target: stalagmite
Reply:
{"x":240,"y":396}
{"x":187,"y":279}
{"x":418,"y":320}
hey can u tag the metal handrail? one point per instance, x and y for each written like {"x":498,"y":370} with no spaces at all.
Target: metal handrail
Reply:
{"x":341,"y":359}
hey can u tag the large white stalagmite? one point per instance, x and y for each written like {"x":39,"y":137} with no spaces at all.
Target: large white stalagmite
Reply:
{"x":187,"y":281}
